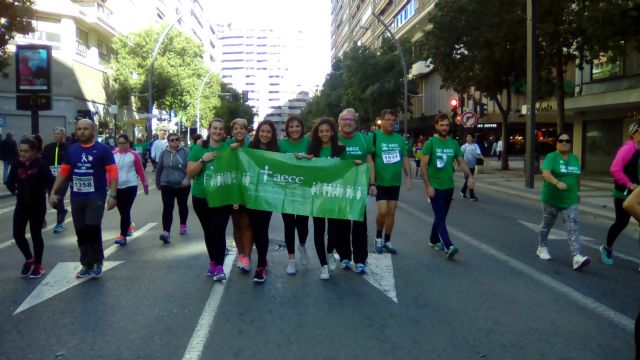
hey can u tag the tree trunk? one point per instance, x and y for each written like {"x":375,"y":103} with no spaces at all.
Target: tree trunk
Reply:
{"x":560,"y":92}
{"x":504,"y":162}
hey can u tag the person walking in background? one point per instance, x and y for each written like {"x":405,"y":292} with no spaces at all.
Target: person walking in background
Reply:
{"x":440,"y":152}
{"x":391,"y":160}
{"x":214,"y":220}
{"x":561,"y":172}
{"x":265,"y":138}
{"x":295,"y":143}
{"x":324,"y":143}
{"x":239,"y":214}
{"x":158,"y":146}
{"x":129,"y":170}
{"x":142,"y":148}
{"x":8,"y":154}
{"x":53,"y":154}
{"x":174,"y":185}
{"x":499,"y":148}
{"x":417,"y":150}
{"x":94,"y":173}
{"x":471,"y":153}
{"x":624,"y":170}
{"x":29,"y":179}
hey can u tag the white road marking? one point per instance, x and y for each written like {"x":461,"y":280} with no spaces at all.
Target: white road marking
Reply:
{"x":561,"y":235}
{"x":201,"y":333}
{"x":553,"y":234}
{"x":380,"y":274}
{"x":62,"y":277}
{"x":590,"y":304}
{"x":11,"y":242}
{"x":58,"y":280}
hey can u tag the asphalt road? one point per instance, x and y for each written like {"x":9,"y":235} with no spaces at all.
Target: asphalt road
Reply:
{"x":496,"y":300}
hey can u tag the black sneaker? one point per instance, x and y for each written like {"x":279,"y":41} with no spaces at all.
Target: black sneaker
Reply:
{"x":260,"y":276}
{"x":473,"y":198}
{"x":26,"y":267}
{"x":38,"y":270}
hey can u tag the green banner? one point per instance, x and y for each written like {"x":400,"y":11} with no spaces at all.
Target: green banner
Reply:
{"x":277,"y":182}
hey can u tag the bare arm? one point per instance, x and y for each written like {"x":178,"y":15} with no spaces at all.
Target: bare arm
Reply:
{"x":372,"y":176}
{"x":406,"y":167}
{"x":425,"y":176}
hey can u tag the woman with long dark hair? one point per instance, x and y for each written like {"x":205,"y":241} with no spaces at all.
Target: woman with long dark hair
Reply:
{"x":298,"y":144}
{"x":129,"y":170}
{"x":264,"y":139}
{"x":29,"y":179}
{"x":214,"y":220}
{"x":324,"y":143}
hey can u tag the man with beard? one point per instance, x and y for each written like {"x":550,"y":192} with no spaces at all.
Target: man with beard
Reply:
{"x":91,"y":167}
{"x":53,"y":154}
{"x":436,"y":168}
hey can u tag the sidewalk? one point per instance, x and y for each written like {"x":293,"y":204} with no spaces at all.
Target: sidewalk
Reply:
{"x":595,"y":200}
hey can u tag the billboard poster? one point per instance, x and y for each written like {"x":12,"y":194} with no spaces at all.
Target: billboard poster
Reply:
{"x":33,"y":68}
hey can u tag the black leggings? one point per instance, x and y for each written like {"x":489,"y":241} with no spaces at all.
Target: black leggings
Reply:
{"x":214,"y":222}
{"x":126,"y":196}
{"x":259,"y":221}
{"x":34,"y":216}
{"x":351,"y":239}
{"x":622,"y":220}
{"x":291,"y":223}
{"x":169,"y":195}
{"x":319,"y":226}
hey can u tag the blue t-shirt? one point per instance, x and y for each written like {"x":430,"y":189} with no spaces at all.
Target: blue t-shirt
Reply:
{"x":88,"y":169}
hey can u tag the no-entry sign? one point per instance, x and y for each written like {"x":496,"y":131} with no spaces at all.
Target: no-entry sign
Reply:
{"x":469,"y":119}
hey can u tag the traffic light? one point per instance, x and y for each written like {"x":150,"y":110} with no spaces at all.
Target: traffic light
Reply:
{"x":453,"y":104}
{"x":461,"y":102}
{"x":245,"y":96}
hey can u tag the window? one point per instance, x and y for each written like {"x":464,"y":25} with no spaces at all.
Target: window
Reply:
{"x":160,"y":14}
{"x":104,"y":50}
{"x":82,"y":42}
{"x":46,"y":29}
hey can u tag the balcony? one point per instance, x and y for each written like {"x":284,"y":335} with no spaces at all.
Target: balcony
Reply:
{"x":81,"y":48}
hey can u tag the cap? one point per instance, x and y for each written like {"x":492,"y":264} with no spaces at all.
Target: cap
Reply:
{"x":634,"y":127}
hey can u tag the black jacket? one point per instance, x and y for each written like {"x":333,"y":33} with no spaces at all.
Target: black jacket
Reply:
{"x":30,"y":183}
{"x":8,"y":150}
{"x":49,"y":153}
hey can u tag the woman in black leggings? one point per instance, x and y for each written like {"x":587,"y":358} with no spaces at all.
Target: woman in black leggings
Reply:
{"x":29,"y":179}
{"x":264,"y":139}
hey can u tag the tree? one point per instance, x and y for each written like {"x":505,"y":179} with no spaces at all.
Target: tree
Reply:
{"x":487,"y":54}
{"x":177,"y":74}
{"x":584,"y":30}
{"x":15,"y":19}
{"x":232,"y":106}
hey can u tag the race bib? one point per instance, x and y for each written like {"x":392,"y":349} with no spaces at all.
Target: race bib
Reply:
{"x":441,"y":161}
{"x":390,"y":157}
{"x":55,"y":170}
{"x":83,"y":184}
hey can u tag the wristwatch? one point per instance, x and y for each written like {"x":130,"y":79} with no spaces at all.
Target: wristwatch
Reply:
{"x":201,"y":161}
{"x":113,"y":196}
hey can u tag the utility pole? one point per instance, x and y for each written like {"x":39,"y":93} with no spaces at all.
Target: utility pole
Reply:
{"x":532,"y":84}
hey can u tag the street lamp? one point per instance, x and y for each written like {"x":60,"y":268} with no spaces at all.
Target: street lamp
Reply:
{"x":404,"y":67}
{"x":150,"y":77}
{"x":204,"y":81}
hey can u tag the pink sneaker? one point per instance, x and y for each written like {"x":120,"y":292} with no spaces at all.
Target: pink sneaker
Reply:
{"x":183,"y":229}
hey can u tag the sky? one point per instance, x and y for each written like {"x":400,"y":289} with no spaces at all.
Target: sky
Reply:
{"x":313,"y":17}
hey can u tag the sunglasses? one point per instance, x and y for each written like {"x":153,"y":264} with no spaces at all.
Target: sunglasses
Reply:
{"x":174,"y":139}
{"x":564,"y":141}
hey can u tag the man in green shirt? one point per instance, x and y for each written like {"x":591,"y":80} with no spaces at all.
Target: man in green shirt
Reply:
{"x":351,"y":236}
{"x":390,"y":161}
{"x":436,"y":168}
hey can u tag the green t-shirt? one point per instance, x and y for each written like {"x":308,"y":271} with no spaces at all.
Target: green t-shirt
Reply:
{"x":233,"y":141}
{"x":289,"y":147}
{"x":325,"y":152}
{"x":357,"y":147}
{"x":441,"y":155}
{"x":141,"y":148}
{"x":568,"y":171}
{"x":390,"y":150}
{"x":197,"y":188}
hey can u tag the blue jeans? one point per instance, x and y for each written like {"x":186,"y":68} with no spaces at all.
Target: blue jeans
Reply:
{"x":6,"y":166}
{"x":440,"y":204}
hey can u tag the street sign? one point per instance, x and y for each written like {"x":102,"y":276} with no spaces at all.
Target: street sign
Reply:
{"x":3,"y":121}
{"x":35,"y":102}
{"x":469,"y":119}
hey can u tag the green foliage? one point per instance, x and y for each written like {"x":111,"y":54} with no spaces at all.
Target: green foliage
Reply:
{"x":177,"y":73}
{"x":15,"y":18}
{"x":365,"y":79}
{"x":232,"y":106}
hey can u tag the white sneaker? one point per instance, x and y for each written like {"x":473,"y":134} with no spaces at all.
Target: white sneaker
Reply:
{"x":324,"y":272}
{"x":543,"y":253}
{"x":580,"y":262}
{"x":304,"y":257}
{"x":291,"y":267}
{"x":332,"y":261}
